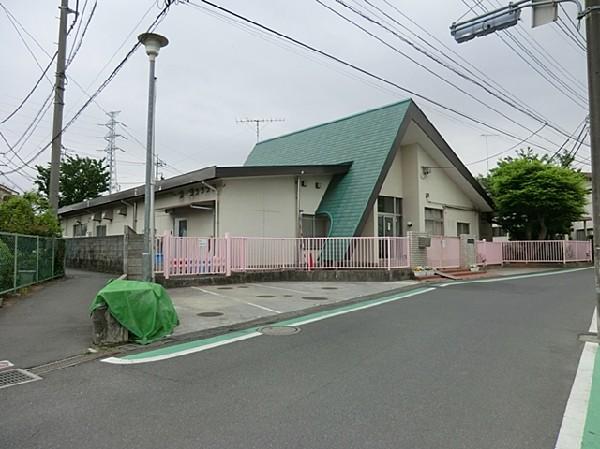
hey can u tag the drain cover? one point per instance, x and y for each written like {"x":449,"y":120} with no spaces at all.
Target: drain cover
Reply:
{"x":15,"y":376}
{"x":225,"y":288}
{"x":288,"y":296}
{"x":242,"y":286}
{"x":329,"y":288}
{"x":265,"y":296}
{"x":279,"y":330}
{"x":210,"y":314}
{"x":315,"y":298}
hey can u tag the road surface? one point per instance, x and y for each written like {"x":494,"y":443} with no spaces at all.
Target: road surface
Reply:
{"x":470,"y":366}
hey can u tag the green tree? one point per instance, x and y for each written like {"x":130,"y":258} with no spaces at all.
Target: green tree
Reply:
{"x":80,"y":179}
{"x":28,"y":214}
{"x":535,"y":197}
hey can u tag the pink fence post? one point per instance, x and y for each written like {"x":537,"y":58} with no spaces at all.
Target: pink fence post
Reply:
{"x":389,"y":254}
{"x":564,"y":247}
{"x":227,"y":254}
{"x":167,"y":254}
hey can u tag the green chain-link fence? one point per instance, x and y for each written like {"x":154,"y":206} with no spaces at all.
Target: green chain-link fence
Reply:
{"x":28,"y":259}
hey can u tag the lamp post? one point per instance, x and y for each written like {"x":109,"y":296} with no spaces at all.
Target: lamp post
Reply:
{"x":153,"y":43}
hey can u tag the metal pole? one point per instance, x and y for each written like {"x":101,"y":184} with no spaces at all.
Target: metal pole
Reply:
{"x":59,"y":95}
{"x":593,"y":59}
{"x":37,"y":259}
{"x":147,"y":254}
{"x":16,"y":263}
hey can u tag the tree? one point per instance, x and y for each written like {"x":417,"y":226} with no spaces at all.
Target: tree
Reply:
{"x":28,"y":214}
{"x":80,"y":179}
{"x":536,"y":198}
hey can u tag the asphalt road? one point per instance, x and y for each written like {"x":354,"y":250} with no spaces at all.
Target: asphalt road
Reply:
{"x":478,"y":365}
{"x":52,"y":322}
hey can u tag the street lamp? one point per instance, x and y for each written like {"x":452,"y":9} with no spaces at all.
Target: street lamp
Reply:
{"x":153,"y":43}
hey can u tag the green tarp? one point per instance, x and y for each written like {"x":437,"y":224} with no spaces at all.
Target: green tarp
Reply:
{"x":143,"y":308}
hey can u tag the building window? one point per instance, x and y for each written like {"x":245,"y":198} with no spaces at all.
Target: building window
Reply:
{"x":181,"y":227}
{"x":79,"y":230}
{"x":580,"y":234}
{"x":389,"y":216}
{"x":463,"y":228}
{"x":315,"y":225}
{"x":101,"y":231}
{"x":434,"y":221}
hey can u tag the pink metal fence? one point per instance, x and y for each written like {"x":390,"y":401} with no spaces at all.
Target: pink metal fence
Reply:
{"x":255,"y":253}
{"x":190,"y":255}
{"x":444,"y":252}
{"x":531,"y":251}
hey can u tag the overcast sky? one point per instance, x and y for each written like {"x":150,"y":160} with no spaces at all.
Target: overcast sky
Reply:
{"x":214,"y":72}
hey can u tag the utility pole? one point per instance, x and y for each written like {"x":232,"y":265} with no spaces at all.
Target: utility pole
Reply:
{"x":111,"y":149}
{"x":258,"y":122}
{"x":59,"y":103}
{"x":593,"y":60}
{"x":546,"y":11}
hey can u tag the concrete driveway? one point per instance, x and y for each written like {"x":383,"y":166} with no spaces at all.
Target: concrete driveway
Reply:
{"x":232,"y":304}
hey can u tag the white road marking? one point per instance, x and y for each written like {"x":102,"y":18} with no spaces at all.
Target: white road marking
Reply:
{"x":157,"y":358}
{"x":573,"y":422}
{"x":236,"y":300}
{"x":281,"y":288}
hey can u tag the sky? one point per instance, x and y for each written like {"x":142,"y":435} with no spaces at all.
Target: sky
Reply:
{"x":216,"y":71}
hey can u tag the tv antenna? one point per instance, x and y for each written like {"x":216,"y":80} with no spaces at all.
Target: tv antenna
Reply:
{"x":258,"y":122}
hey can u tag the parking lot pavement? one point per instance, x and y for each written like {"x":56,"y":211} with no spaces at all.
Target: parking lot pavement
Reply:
{"x":237,"y":303}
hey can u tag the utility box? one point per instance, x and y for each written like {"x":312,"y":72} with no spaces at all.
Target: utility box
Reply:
{"x":424,"y":242}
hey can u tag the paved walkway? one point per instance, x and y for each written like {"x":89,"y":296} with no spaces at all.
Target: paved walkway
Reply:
{"x":50,"y":323}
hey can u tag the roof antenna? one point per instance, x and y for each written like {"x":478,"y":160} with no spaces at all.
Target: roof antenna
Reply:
{"x":258,"y":122}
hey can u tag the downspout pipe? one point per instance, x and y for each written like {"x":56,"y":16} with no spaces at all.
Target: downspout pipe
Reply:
{"x":216,"y":213}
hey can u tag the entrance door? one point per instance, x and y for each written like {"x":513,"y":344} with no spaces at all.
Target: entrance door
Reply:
{"x":181,"y":227}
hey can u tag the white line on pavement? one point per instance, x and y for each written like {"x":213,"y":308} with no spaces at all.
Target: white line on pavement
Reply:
{"x":573,"y":422}
{"x":236,"y":300}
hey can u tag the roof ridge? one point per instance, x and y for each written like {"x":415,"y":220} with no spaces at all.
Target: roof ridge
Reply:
{"x":356,"y":114}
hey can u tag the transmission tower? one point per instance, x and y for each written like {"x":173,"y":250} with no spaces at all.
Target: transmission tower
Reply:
{"x":258,"y":122}
{"x":111,"y":149}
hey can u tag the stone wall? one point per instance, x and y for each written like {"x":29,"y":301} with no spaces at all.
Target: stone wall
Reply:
{"x":104,"y":254}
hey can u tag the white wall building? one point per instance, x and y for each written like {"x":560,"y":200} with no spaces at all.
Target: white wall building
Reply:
{"x":382,"y":172}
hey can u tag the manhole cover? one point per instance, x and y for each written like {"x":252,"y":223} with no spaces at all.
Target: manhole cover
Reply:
{"x":225,"y":288}
{"x":288,"y":296}
{"x":279,"y":330}
{"x":15,"y":376}
{"x":329,"y":288}
{"x":265,"y":296}
{"x":315,"y":298}
{"x":242,"y":286}
{"x":210,"y":314}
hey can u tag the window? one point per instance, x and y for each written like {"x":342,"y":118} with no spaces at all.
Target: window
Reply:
{"x":580,"y":234}
{"x":101,"y":231}
{"x":181,"y":227}
{"x":79,"y":230}
{"x":315,"y":225}
{"x":434,"y":221}
{"x":389,"y":217}
{"x":463,"y":228}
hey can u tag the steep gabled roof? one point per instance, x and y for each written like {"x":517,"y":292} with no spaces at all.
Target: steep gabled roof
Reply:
{"x":364,"y":139}
{"x":368,"y":140}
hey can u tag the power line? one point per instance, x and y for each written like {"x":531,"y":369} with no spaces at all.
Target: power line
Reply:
{"x":161,"y":15}
{"x":437,"y":60}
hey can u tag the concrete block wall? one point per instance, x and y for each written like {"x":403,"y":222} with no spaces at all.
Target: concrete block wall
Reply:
{"x":134,"y":244}
{"x":104,"y":254}
{"x":418,"y":256}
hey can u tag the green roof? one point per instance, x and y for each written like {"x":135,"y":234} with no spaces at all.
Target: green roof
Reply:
{"x":365,"y":139}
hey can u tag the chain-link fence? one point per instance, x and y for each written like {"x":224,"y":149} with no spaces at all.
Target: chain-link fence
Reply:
{"x":28,"y":259}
